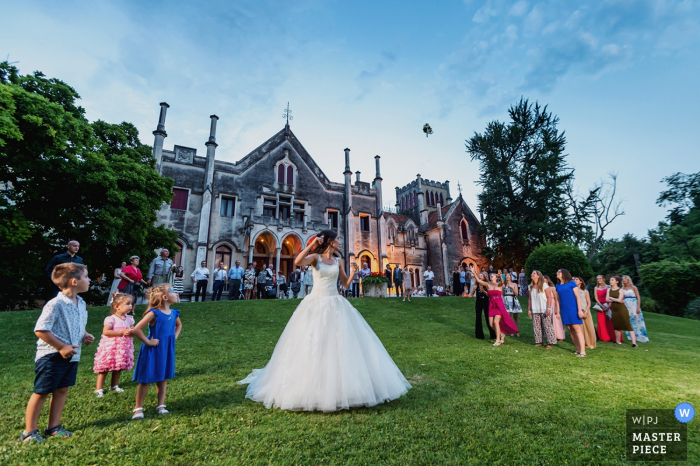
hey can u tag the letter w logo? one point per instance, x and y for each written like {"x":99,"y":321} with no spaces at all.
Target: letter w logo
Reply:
{"x":684,"y":412}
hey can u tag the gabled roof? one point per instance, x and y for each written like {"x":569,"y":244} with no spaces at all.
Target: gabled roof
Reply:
{"x":458,"y":204}
{"x":285,"y":135}
{"x":398,"y":218}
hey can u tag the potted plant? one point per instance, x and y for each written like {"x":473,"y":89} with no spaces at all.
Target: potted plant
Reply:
{"x":374,"y":285}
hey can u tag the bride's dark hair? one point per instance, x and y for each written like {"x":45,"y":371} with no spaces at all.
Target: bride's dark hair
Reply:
{"x":327,"y":236}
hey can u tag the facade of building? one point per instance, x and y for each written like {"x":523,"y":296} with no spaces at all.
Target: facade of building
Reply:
{"x":268,"y":205}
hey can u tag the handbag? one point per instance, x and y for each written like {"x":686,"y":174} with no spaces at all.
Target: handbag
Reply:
{"x":597,"y":307}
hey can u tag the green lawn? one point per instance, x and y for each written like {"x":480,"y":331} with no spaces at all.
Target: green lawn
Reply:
{"x":471,"y":403}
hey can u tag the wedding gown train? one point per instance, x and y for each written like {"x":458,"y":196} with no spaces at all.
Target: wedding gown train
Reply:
{"x":327,"y":358}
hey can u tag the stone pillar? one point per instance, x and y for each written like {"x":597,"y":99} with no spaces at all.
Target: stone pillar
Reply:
{"x":357,"y":177}
{"x":277,"y":267}
{"x":398,"y":203}
{"x":421,"y":203}
{"x":439,"y":211}
{"x":378,"y":187}
{"x":208,"y":195}
{"x":448,"y":201}
{"x":160,"y":135}
{"x":348,"y":207}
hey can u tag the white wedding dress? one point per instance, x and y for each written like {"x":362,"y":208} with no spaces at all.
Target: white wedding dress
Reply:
{"x":328,"y":358}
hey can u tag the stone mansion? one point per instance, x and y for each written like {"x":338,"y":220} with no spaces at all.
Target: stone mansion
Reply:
{"x":269,"y":204}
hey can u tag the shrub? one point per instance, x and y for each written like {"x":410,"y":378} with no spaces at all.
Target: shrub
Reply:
{"x":693,"y":309}
{"x":550,"y":257}
{"x":672,"y":284}
{"x":649,"y":305}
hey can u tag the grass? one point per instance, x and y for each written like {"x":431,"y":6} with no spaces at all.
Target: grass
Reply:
{"x":471,"y":403}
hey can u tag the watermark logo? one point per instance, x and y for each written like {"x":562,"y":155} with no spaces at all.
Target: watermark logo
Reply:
{"x":657,"y":434}
{"x":684,"y":412}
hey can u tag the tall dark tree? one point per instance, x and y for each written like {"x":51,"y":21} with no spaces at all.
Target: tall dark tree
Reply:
{"x":525,"y":185}
{"x":63,"y":178}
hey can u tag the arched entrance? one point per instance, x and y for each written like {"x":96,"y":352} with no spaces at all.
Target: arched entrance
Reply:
{"x":368,"y":258}
{"x":291,"y":246}
{"x":265,"y":250}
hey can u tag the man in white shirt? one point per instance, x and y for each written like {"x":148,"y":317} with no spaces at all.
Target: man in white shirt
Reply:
{"x":200,"y":277}
{"x":220,"y":277}
{"x":429,"y":275}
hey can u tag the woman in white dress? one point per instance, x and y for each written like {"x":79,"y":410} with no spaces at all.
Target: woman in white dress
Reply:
{"x":328,"y":358}
{"x":115,"y":282}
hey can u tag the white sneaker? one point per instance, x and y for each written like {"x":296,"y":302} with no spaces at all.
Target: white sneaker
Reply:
{"x":100,"y":393}
{"x":117,"y":389}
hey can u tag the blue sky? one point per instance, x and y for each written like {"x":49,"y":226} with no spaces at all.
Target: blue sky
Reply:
{"x":621,"y":75}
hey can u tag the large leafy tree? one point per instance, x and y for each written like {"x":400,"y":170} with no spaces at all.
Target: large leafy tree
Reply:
{"x":526,"y":183}
{"x":64,"y":178}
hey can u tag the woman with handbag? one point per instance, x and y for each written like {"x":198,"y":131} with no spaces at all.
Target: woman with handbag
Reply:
{"x":570,"y":309}
{"x":588,"y":327}
{"x":132,"y":278}
{"x":620,"y":314}
{"x":605,"y":330}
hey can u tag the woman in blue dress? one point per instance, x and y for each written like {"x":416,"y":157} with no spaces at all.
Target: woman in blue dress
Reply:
{"x":156,"y":359}
{"x":570,"y":308}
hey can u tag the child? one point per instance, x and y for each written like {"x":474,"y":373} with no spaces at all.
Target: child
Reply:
{"x":156,"y":360}
{"x":116,"y":351}
{"x":61,"y":329}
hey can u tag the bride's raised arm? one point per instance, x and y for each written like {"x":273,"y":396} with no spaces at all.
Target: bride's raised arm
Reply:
{"x":305,"y":257}
{"x":345,"y":280}
{"x":480,"y":282}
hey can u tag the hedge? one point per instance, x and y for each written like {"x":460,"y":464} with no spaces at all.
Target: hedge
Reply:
{"x":550,"y":257}
{"x":673,"y":285}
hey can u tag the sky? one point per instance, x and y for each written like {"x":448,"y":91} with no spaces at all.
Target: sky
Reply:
{"x":621,"y":75}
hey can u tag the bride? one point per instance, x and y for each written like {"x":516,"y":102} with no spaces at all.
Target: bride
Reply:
{"x":328,"y":358}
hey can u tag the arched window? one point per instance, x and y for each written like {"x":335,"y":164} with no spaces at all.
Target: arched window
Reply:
{"x":442,"y":200}
{"x":280,"y":174}
{"x":432,"y":198}
{"x":290,"y":175}
{"x":223,"y":254}
{"x":415,"y":199}
{"x":464,"y":228}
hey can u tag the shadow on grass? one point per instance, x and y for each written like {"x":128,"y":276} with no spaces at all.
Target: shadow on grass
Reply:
{"x":194,"y":405}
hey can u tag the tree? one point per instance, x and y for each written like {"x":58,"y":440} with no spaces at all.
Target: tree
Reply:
{"x":64,"y":178}
{"x":616,"y":256}
{"x":679,"y":239}
{"x":525,"y":182}
{"x":605,"y":208}
{"x":550,"y":257}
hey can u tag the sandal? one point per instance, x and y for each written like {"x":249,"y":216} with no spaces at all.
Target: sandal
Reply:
{"x":538,"y":344}
{"x":138,"y":415}
{"x":581,"y":355}
{"x":117,"y":389}
{"x":100,"y":393}
{"x":32,"y":437}
{"x":161,"y":410}
{"x":57,"y":431}
{"x":498,"y":343}
{"x":549,"y":347}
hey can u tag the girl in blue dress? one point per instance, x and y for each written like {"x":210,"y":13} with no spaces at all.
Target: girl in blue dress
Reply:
{"x":156,"y":359}
{"x":570,"y":309}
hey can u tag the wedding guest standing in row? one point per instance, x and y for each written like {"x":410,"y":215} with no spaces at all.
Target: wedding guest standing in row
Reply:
{"x":132,"y":278}
{"x":510,"y":299}
{"x":556,"y":317}
{"x":389,"y":284}
{"x":235,"y":276}
{"x":456,"y":285}
{"x":179,"y":280}
{"x":220,"y":274}
{"x":633,"y":304}
{"x":249,"y":281}
{"x":408,"y":287}
{"x":115,"y":282}
{"x":398,"y":280}
{"x":540,"y":306}
{"x":605,"y":330}
{"x":200,"y":277}
{"x":620,"y":314}
{"x":570,"y":309}
{"x":585,"y":301}
{"x":523,"y":283}
{"x":482,"y":307}
{"x":161,"y":269}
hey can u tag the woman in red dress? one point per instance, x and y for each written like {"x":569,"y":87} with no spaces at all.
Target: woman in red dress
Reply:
{"x":131,"y":277}
{"x":499,"y":319}
{"x":605,"y":330}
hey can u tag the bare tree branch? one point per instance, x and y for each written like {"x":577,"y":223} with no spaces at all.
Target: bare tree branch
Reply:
{"x":606,"y":208}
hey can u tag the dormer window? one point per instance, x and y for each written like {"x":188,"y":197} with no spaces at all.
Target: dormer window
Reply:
{"x":285,"y":171}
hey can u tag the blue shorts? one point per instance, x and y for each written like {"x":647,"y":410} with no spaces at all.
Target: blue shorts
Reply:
{"x":53,"y":371}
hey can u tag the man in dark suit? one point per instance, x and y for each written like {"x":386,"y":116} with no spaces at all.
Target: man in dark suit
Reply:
{"x":398,"y":280}
{"x":71,"y":255}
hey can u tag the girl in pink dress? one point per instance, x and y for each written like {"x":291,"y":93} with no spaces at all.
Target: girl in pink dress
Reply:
{"x":556,"y":317}
{"x":116,"y":350}
{"x":499,"y":319}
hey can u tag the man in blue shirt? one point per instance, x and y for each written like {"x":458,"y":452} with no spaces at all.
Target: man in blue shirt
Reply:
{"x":235,"y":275}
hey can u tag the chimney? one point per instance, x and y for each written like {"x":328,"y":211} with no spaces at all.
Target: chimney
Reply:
{"x":448,"y":200}
{"x":378,"y":186}
{"x":160,"y":135}
{"x":348,"y":182}
{"x":357,"y":177}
